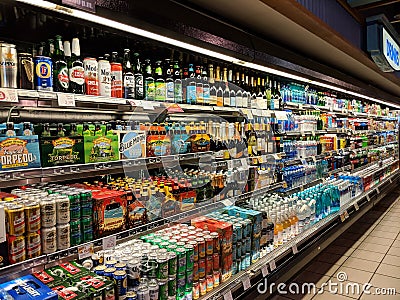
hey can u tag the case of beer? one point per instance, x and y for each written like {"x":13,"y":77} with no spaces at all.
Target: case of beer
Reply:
{"x":132,"y":144}
{"x":225,"y":231}
{"x":28,"y":288}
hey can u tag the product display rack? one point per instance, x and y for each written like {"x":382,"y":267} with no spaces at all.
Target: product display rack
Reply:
{"x":34,"y":105}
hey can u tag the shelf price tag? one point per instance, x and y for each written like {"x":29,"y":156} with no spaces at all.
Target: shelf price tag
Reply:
{"x":342,"y":217}
{"x":264,"y":270}
{"x":368,"y":198}
{"x":304,"y":161}
{"x":356,"y":206}
{"x":85,"y":251}
{"x":227,"y":202}
{"x":135,"y":103}
{"x":294,"y":249}
{"x":272,"y":265}
{"x":246,"y":283}
{"x":377,"y":190}
{"x":65,"y":99}
{"x":109,"y":242}
{"x":8,"y":95}
{"x":228,"y":295}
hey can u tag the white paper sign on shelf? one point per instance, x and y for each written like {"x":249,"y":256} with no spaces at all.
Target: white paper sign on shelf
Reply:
{"x":8,"y":95}
{"x":28,"y":93}
{"x":264,"y":270}
{"x":272,"y":265}
{"x":148,"y":105}
{"x":65,"y":99}
{"x":227,"y":202}
{"x":304,"y":161}
{"x":246,"y":282}
{"x":356,"y":206}
{"x":109,"y":242}
{"x":135,"y":103}
{"x":280,"y":115}
{"x":294,"y":249}
{"x":85,"y":251}
{"x":47,"y":95}
{"x":228,"y":295}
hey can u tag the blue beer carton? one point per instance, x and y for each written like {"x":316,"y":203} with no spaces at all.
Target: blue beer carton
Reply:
{"x":19,"y":152}
{"x":28,"y":288}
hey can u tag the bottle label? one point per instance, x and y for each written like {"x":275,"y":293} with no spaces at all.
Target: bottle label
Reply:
{"x":170,"y":90}
{"x":62,"y":77}
{"x":139,"y":86}
{"x":191,"y":94}
{"x":239,"y":101}
{"x":77,"y":75}
{"x":160,"y":91}
{"x":116,"y":84}
{"x":227,"y":101}
{"x":178,"y":91}
{"x":199,"y":93}
{"x":129,"y":86}
{"x":206,"y":94}
{"x":150,"y":89}
{"x":105,"y":82}
{"x":233,"y":101}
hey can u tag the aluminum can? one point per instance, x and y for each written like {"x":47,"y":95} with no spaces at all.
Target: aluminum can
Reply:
{"x":99,"y":270}
{"x":209,"y":265}
{"x":62,"y":207}
{"x":203,"y":286}
{"x":131,"y":296}
{"x":210,"y":283}
{"x":120,"y":284}
{"x":32,"y":216}
{"x":109,"y":272}
{"x":189,"y":256}
{"x":163,"y":290}
{"x":25,"y":71}
{"x":33,"y":245}
{"x":91,"y":76}
{"x":8,"y":66}
{"x":172,"y":286}
{"x":15,"y":219}
{"x":116,"y":80}
{"x":16,"y":249}
{"x":48,"y":212}
{"x":104,"y":71}
{"x":63,"y":236}
{"x":153,"y":289}
{"x":43,"y":73}
{"x":196,"y":290}
{"x":49,"y":240}
{"x":181,"y":284}
{"x":172,"y":263}
{"x":181,"y":256}
{"x":201,"y":244}
{"x":209,"y":244}
{"x":162,"y":268}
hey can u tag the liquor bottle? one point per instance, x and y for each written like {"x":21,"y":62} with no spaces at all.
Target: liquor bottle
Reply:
{"x":231,"y":141}
{"x":159,"y":81}
{"x":213,"y":88}
{"x":138,"y":73}
{"x":149,"y":85}
{"x":218,"y":142}
{"x":177,"y":82}
{"x":199,"y":85}
{"x":128,"y":76}
{"x":218,"y":85}
{"x":60,"y":70}
{"x":226,"y":95}
{"x":276,"y":97}
{"x":238,"y":143}
{"x":251,"y":140}
{"x":279,"y":103}
{"x":206,"y":84}
{"x":169,"y":80}
{"x":107,"y":57}
{"x":76,"y":72}
{"x":260,"y":94}
{"x":191,"y":86}
{"x":232,"y":88}
{"x":268,"y":93}
{"x":185,"y":81}
{"x":239,"y":91}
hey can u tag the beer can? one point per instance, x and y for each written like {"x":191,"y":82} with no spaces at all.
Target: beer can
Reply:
{"x":109,"y":272}
{"x":8,"y":66}
{"x":195,"y":250}
{"x":49,"y":240}
{"x":189,"y":279}
{"x":201,"y":244}
{"x":163,"y":290}
{"x":32,"y":216}
{"x":150,"y":265}
{"x":87,"y":223}
{"x":116,"y":80}
{"x":104,"y":71}
{"x":120,"y":266}
{"x":62,"y":207}
{"x":202,"y":286}
{"x":164,"y":245}
{"x":87,"y":235}
{"x":99,"y":270}
{"x":110,"y":263}
{"x":196,"y":290}
{"x":172,"y":286}
{"x":202,"y":268}
{"x":172,"y":263}
{"x":162,"y":269}
{"x":75,"y":212}
{"x":153,"y":289}
{"x":217,"y":244}
{"x":216,"y":262}
{"x":196,"y":271}
{"x":33,"y":245}
{"x":181,"y":257}
{"x":48,"y":212}
{"x":16,"y":249}
{"x":131,"y":296}
{"x":189,"y":256}
{"x":217,"y":279}
{"x":181,"y":284}
{"x":25,"y":71}
{"x":209,"y":244}
{"x":109,"y":292}
{"x":209,"y":264}
{"x":120,"y":284}
{"x":133,"y":273}
{"x":63,"y":236}
{"x":43,"y":73}
{"x":91,"y":76}
{"x":15,"y":219}
{"x":86,"y":210}
{"x":210,"y":283}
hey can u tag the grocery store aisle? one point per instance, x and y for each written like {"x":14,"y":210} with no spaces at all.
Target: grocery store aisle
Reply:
{"x":368,"y":252}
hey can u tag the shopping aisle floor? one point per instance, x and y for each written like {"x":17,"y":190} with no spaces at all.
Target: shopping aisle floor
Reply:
{"x":368,"y":252}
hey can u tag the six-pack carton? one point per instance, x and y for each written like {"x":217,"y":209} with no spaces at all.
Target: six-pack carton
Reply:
{"x":28,"y":288}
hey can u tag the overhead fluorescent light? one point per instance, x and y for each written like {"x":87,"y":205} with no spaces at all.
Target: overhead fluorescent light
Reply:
{"x":173,"y":42}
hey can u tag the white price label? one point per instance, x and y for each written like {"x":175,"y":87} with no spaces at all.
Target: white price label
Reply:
{"x":368,"y":198}
{"x":390,"y":180}
{"x":85,"y":251}
{"x":272,"y":265}
{"x":342,"y":217}
{"x":294,"y":249}
{"x":227,"y":202}
{"x":377,"y":190}
{"x":300,"y":106}
{"x":8,"y":95}
{"x":244,"y":161}
{"x":109,"y":242}
{"x":228,"y":296}
{"x":304,"y":161}
{"x":65,"y":99}
{"x":47,"y":95}
{"x":246,"y":283}
{"x":264,"y":271}
{"x":147,"y":105}
{"x":28,"y":93}
{"x":356,"y":206}
{"x":331,"y":108}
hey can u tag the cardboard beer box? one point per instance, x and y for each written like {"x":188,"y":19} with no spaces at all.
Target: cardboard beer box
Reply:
{"x":19,"y":152}
{"x":58,"y":151}
{"x":101,"y":148}
{"x":67,"y":292}
{"x":28,"y":288}
{"x":132,"y":144}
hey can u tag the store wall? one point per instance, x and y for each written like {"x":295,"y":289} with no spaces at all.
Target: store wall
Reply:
{"x":333,"y":14}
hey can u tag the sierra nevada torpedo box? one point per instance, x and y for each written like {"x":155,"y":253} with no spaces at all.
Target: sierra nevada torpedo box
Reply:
{"x":58,"y":151}
{"x":19,"y":152}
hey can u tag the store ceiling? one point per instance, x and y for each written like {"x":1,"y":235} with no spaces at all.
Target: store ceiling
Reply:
{"x":290,"y":24}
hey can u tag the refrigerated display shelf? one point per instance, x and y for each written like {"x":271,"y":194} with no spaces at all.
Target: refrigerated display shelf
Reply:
{"x":61,"y":173}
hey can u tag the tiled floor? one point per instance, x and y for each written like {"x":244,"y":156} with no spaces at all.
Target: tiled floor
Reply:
{"x":366,"y":255}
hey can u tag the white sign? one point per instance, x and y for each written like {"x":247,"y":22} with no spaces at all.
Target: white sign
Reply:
{"x":66,"y":99}
{"x":8,"y":95}
{"x":109,"y":242}
{"x":391,"y":50}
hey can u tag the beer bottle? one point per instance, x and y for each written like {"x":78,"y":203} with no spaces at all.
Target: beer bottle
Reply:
{"x":138,"y":77}
{"x":67,"y":53}
{"x":169,"y":81}
{"x":76,"y":72}
{"x":149,"y":86}
{"x":206,"y":84}
{"x":50,"y":49}
{"x":60,"y":70}
{"x":213,"y":89}
{"x":159,"y":82}
{"x":177,"y":82}
{"x":128,"y":77}
{"x":191,"y":87}
{"x":199,"y":85}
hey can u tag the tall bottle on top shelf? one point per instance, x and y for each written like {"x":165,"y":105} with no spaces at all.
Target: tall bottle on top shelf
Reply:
{"x":149,"y":85}
{"x":138,"y":72}
{"x":226,"y":94}
{"x":60,"y":69}
{"x":169,"y":80}
{"x":199,"y":85}
{"x":213,"y":87}
{"x":191,"y":85}
{"x":218,"y":85}
{"x":206,"y":84}
{"x":177,"y":82}
{"x":128,"y":76}
{"x":76,"y":72}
